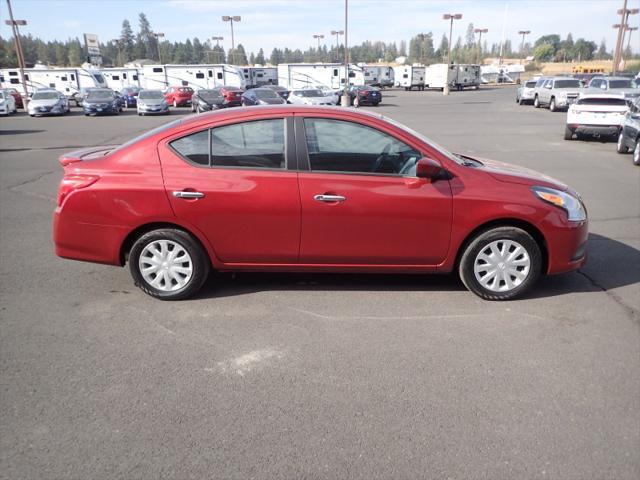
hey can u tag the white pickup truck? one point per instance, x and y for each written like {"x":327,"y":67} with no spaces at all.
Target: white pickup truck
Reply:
{"x":596,"y":114}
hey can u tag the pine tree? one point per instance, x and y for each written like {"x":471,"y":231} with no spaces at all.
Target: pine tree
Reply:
{"x":126,"y":42}
{"x":260,"y":57}
{"x":75,"y":54}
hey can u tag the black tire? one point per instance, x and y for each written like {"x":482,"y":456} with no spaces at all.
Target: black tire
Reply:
{"x":621,"y":147}
{"x":536,"y":102}
{"x":521,"y":101}
{"x":636,"y":153}
{"x":568,"y":133}
{"x":480,"y":242}
{"x":552,"y":105}
{"x":199,"y":259}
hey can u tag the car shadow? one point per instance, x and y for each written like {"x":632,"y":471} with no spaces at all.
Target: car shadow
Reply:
{"x":611,"y":264}
{"x":19,"y":132}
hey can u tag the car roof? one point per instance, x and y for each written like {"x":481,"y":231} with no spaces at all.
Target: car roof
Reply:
{"x":604,"y":77}
{"x":602,"y":95}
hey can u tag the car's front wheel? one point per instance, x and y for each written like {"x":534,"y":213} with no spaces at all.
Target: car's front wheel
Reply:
{"x":536,"y":102}
{"x":168,"y":264}
{"x":621,"y":147}
{"x":636,"y":153}
{"x":501,"y":263}
{"x":552,"y":105}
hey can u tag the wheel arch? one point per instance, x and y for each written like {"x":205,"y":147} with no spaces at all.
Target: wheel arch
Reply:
{"x":507,"y":222}
{"x":136,"y":233}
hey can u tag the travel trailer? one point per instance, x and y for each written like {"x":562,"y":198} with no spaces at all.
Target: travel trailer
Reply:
{"x":66,"y":80}
{"x":457,"y":76}
{"x":119,"y":78}
{"x":260,"y":76}
{"x":377,"y":75}
{"x":409,"y":76}
{"x":195,"y":76}
{"x":332,"y":75}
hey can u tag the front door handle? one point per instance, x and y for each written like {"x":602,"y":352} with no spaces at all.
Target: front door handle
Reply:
{"x":329,"y":198}
{"x":187,"y":194}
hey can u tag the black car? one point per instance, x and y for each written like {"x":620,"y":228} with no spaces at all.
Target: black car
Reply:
{"x":364,"y":95}
{"x":629,"y":136}
{"x":283,"y":92}
{"x":205,"y":100}
{"x":261,"y":96}
{"x":102,"y":101}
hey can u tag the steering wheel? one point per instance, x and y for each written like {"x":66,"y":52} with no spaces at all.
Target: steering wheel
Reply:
{"x":378,"y":163}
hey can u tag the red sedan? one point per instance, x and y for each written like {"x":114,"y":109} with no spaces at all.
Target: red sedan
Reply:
{"x":178,"y":96}
{"x":16,"y":96}
{"x":293,"y":188}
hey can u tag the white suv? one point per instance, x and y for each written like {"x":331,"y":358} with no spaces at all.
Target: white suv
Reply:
{"x":598,"y":114}
{"x":557,"y":93}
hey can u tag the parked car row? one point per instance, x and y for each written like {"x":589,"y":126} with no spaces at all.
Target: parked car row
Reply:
{"x":608,"y":107}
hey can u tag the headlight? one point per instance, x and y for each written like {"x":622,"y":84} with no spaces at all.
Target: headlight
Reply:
{"x":141,"y":104}
{"x":570,"y":204}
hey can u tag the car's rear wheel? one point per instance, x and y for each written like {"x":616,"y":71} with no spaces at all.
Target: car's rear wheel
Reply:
{"x":621,"y":147}
{"x":568,"y":133}
{"x":501,"y":263}
{"x":636,"y":152}
{"x":536,"y":102}
{"x":168,"y":264}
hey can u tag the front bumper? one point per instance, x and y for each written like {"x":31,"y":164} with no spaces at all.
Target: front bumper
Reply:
{"x":182,"y":102}
{"x":153,"y":110}
{"x":103,"y":110}
{"x":566,"y":245}
{"x":42,"y":111}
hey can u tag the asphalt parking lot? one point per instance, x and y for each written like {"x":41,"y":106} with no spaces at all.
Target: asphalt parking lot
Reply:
{"x":322,"y":376}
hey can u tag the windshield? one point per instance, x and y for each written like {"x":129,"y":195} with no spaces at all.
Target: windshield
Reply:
{"x":150,"y":133}
{"x":530,"y":84}
{"x":309,"y":93}
{"x":602,"y":101}
{"x":130,"y":91}
{"x":621,"y":84}
{"x":100,"y":95}
{"x":209,"y":94}
{"x":99,"y":78}
{"x":567,"y":84}
{"x":150,"y":94}
{"x":428,"y":141}
{"x":263,"y":94}
{"x":45,"y":96}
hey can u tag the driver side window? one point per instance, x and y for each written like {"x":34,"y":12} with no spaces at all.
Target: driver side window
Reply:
{"x":347,"y":147}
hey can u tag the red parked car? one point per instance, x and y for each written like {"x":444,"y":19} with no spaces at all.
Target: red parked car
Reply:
{"x":178,"y":96}
{"x":232,"y":96}
{"x":16,"y":96}
{"x":295,"y":188}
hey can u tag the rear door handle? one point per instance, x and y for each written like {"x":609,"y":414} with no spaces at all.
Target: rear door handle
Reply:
{"x":186,"y":194}
{"x":329,"y":198}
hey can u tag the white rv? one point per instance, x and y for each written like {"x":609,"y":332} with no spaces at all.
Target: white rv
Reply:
{"x":457,"y":76}
{"x":377,"y":75}
{"x":409,"y":76}
{"x":160,"y":77}
{"x":119,"y":78}
{"x":259,"y":76}
{"x":66,"y":80}
{"x":300,"y":75}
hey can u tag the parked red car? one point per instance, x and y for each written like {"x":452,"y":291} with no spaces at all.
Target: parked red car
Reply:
{"x":232,"y":96}
{"x":295,"y":188}
{"x":178,"y":96}
{"x":16,"y":96}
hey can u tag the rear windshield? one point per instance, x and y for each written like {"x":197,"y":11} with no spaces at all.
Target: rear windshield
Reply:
{"x":260,"y":93}
{"x":209,"y":94}
{"x":621,"y":84}
{"x":530,"y":84}
{"x":602,"y":101}
{"x":45,"y":95}
{"x":185,"y":90}
{"x":567,"y":84}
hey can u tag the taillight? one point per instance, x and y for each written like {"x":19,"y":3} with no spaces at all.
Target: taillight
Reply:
{"x":73,"y":182}
{"x":364,"y":93}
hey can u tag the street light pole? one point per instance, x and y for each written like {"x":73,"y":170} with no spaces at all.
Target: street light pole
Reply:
{"x":480,"y":31}
{"x":630,"y":30}
{"x":16,"y":36}
{"x":217,"y":39}
{"x":523,"y":33}
{"x":318,"y":36}
{"x":337,"y":33}
{"x":345,"y":101}
{"x":451,"y":17}
{"x":232,"y":18}
{"x":119,"y":59}
{"x":158,"y":35}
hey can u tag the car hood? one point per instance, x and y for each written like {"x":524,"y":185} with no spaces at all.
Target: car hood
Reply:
{"x":212,"y":101}
{"x":45,"y":102}
{"x":151,"y":101}
{"x":98,"y":101}
{"x":509,"y":173}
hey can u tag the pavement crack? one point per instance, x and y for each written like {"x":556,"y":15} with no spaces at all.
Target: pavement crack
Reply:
{"x":30,"y":180}
{"x":631,"y":312}
{"x":16,"y":188}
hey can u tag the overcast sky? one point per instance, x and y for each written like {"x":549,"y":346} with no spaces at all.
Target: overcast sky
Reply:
{"x":291,"y":23}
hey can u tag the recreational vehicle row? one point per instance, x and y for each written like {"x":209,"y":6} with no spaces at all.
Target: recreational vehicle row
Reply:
{"x":300,"y":75}
{"x":66,"y":80}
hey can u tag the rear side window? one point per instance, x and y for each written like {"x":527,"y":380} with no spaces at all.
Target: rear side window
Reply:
{"x":194,"y":147}
{"x":258,"y":144}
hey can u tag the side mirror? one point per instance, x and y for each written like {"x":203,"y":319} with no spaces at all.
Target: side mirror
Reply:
{"x":428,"y":168}
{"x":603,"y":86}
{"x":548,"y":86}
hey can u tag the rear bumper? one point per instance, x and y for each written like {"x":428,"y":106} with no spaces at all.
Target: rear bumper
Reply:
{"x":595,"y":129}
{"x":181,"y":102}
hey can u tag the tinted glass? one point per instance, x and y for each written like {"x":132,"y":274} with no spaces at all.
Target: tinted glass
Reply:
{"x":530,"y":84}
{"x":338,"y":146}
{"x":194,"y":147}
{"x":265,"y":93}
{"x":540,"y":82}
{"x":621,"y":84}
{"x":602,"y":101}
{"x":209,"y":94}
{"x":567,"y":84}
{"x":257,"y":144}
{"x":45,"y":95}
{"x":149,"y":94}
{"x":100,"y":95}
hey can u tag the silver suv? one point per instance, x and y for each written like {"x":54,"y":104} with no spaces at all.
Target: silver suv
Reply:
{"x":623,"y":85}
{"x":557,"y":93}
